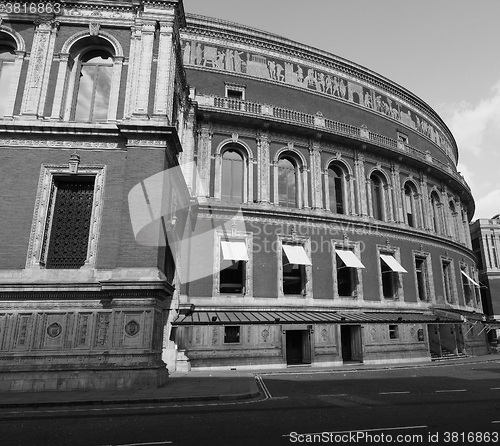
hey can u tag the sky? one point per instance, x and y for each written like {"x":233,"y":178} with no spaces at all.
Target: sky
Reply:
{"x":444,"y":51}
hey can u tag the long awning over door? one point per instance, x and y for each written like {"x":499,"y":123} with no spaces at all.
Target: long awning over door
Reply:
{"x":392,"y":263}
{"x":205,"y":317}
{"x":349,"y":258}
{"x":296,"y":254}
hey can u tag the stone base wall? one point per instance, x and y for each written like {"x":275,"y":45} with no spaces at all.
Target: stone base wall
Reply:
{"x":85,"y":379}
{"x":83,"y":344}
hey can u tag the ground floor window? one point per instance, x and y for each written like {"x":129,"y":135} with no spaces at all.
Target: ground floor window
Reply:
{"x":231,"y":334}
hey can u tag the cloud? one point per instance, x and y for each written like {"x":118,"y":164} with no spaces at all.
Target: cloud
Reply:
{"x":488,"y":205}
{"x":475,"y":126}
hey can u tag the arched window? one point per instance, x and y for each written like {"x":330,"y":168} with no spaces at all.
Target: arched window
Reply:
{"x":412,"y":205}
{"x":436,"y":212}
{"x":232,"y":176}
{"x":288,"y":175}
{"x":94,"y":85}
{"x":7,"y":57}
{"x":336,"y":188}
{"x":377,"y":189}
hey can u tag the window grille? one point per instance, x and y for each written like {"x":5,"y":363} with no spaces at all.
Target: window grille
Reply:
{"x":68,"y":225}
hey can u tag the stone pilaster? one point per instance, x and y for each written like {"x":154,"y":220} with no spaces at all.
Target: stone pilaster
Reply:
{"x":361,"y":191}
{"x":263,"y":172}
{"x":396,"y":196}
{"x":38,"y":69}
{"x":142,"y":72}
{"x":316,"y":186}
{"x":165,"y":72}
{"x":426,"y":206}
{"x":203,"y":161}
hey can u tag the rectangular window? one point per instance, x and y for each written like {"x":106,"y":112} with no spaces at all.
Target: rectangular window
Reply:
{"x":347,"y":273}
{"x":448,"y":281}
{"x":422,"y":276}
{"x":231,"y":334}
{"x":294,"y":262}
{"x":393,"y":332}
{"x":234,"y":91}
{"x":234,"y":258}
{"x":389,"y":272}
{"x":67,"y":229}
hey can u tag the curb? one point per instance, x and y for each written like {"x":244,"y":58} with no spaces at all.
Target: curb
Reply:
{"x":123,"y":401}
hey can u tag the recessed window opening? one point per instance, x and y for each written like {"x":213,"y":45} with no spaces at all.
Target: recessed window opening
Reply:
{"x":393,"y":332}
{"x":94,"y":86}
{"x":294,"y":262}
{"x":288,"y":182}
{"x":232,"y":176}
{"x":422,"y":278}
{"x":7,"y":58}
{"x":336,"y":189}
{"x":377,"y":186}
{"x":231,"y":334}
{"x":67,"y":228}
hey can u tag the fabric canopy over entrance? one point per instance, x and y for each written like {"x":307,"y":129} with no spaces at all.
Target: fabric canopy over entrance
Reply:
{"x":234,"y":251}
{"x":296,"y":254}
{"x":470,"y":279}
{"x":349,"y":258}
{"x":392,"y":263}
{"x":202,"y":317}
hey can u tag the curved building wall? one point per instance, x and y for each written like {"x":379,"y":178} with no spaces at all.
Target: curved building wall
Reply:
{"x":275,"y":118}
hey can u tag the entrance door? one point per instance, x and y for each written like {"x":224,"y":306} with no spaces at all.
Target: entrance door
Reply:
{"x":351,"y":342}
{"x":298,"y":347}
{"x":345,"y":339}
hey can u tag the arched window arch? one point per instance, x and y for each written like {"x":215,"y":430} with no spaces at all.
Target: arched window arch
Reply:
{"x":412,"y":205}
{"x":94,"y":86}
{"x":378,"y":185}
{"x":288,"y":181}
{"x":7,"y":58}
{"x":337,"y":189}
{"x":88,"y":80}
{"x":436,"y":212}
{"x":233,"y":176}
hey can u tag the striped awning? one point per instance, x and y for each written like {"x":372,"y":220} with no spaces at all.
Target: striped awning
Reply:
{"x":201,"y":317}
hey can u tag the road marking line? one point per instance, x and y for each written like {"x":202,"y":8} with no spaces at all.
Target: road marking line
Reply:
{"x":495,"y":422}
{"x":495,"y":388}
{"x":144,"y":444}
{"x":451,"y":390}
{"x":379,"y":429}
{"x":336,"y":395}
{"x":394,"y":393}
{"x":260,"y":381}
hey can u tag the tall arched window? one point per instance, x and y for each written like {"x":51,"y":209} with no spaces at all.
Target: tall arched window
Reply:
{"x":94,"y":85}
{"x":336,"y":188}
{"x":412,"y":205}
{"x":232,"y":176}
{"x":288,"y":176}
{"x":377,"y":186}
{"x":454,"y":232}
{"x":6,"y":67}
{"x":436,"y":212}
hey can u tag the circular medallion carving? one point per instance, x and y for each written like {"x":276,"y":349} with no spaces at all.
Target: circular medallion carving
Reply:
{"x":265,"y":334}
{"x":132,"y":328}
{"x":54,"y":330}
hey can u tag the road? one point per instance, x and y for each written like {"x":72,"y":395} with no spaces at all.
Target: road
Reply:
{"x":450,"y":404}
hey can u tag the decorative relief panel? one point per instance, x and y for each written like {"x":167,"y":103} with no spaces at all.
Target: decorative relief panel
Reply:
{"x":133,"y":330}
{"x":83,"y":330}
{"x":103,"y":323}
{"x":330,"y":83}
{"x":22,"y":331}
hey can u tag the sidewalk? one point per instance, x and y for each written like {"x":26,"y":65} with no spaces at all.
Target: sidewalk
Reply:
{"x":199,"y":386}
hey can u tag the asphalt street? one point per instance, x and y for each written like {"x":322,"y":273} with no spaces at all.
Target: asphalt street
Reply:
{"x":451,"y":404}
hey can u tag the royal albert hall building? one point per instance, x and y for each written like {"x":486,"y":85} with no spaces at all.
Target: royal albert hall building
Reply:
{"x":339,"y":222}
{"x":183,"y":192}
